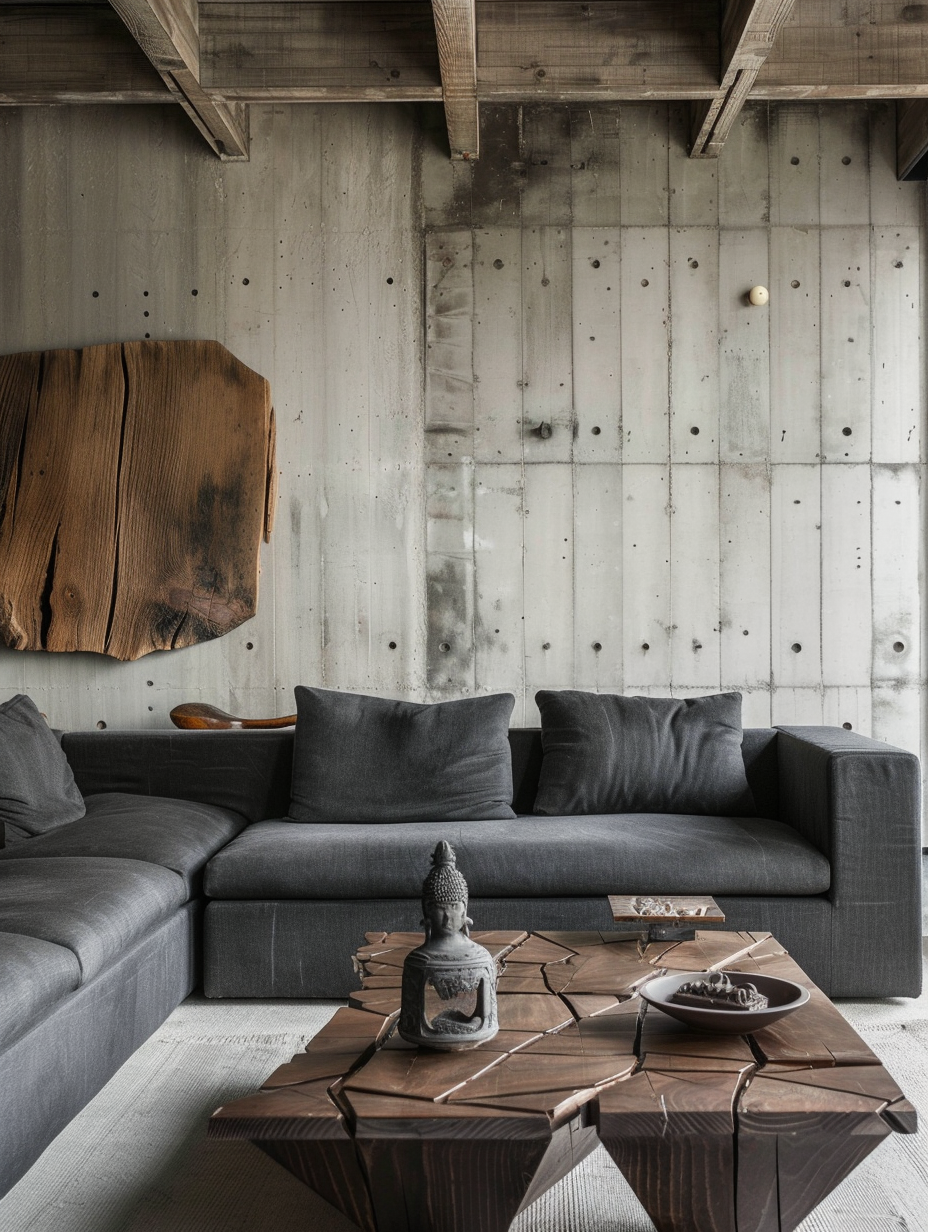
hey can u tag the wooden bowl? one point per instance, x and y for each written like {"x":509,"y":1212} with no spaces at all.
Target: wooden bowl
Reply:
{"x":784,"y":998}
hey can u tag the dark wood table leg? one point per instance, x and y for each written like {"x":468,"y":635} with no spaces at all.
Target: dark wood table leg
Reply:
{"x":795,"y":1144}
{"x":672,"y":1138}
{"x":569,"y":1146}
{"x":448,"y":1186}
{"x":331,"y":1170}
{"x":757,"y":1202}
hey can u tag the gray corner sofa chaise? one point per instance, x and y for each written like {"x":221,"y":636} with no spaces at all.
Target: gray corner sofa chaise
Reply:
{"x":179,"y":873}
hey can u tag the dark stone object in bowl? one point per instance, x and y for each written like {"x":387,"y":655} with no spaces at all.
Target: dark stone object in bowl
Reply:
{"x":783,"y":997}
{"x":716,"y":991}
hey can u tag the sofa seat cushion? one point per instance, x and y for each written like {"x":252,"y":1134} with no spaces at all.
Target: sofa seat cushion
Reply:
{"x":94,"y":907}
{"x":34,"y":975}
{"x":630,"y":853}
{"x":175,"y":834}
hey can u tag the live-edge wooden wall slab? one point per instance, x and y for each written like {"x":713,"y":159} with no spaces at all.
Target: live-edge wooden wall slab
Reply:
{"x":637,"y":481}
{"x":530,"y":433}
{"x":304,"y":262}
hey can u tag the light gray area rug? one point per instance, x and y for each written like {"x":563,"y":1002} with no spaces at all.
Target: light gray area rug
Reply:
{"x":136,"y":1160}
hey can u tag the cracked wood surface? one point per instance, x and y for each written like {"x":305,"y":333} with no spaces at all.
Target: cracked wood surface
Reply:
{"x":715,"y":1133}
{"x":134,"y":488}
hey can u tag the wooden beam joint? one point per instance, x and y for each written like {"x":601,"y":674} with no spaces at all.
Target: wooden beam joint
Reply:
{"x":168,"y":33}
{"x":456,"y":34}
{"x":749,"y":28}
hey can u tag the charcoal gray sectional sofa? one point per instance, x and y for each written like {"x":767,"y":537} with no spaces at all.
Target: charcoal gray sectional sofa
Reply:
{"x":181,"y":871}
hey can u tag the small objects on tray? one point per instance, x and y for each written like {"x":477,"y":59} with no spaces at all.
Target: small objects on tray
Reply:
{"x":717,"y":991}
{"x":655,"y":907}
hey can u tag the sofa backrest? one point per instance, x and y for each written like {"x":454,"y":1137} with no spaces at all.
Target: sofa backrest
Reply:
{"x":250,"y":771}
{"x":758,"y":749}
{"x":245,"y":771}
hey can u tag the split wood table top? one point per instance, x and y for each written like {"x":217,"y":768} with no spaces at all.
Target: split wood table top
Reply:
{"x":715,"y":1133}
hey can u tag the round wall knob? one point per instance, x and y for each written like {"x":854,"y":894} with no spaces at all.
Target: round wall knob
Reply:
{"x":758,"y":295}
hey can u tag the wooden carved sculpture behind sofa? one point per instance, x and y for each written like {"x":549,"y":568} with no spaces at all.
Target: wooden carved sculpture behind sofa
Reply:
{"x":136,"y":481}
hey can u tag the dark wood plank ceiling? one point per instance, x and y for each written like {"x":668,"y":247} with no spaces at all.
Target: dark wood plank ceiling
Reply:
{"x":216,"y":56}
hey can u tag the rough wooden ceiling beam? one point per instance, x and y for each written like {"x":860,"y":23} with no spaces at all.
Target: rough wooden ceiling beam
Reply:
{"x":912,"y":139}
{"x":217,"y":56}
{"x":456,"y":35}
{"x":168,"y":33}
{"x":344,"y":90}
{"x":749,"y":28}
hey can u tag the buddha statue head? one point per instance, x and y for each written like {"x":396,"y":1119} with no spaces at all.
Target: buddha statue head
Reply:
{"x":444,"y":901}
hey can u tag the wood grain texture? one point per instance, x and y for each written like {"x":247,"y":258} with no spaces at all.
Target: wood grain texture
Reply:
{"x":167,"y":31}
{"x":195,"y":716}
{"x":710,"y":1134}
{"x":838,"y":46}
{"x":332,"y":1171}
{"x":456,"y":38}
{"x":749,"y":28}
{"x":217,"y":56}
{"x":135,"y":488}
{"x":72,"y":53}
{"x":550,"y":52}
{"x":328,"y":50}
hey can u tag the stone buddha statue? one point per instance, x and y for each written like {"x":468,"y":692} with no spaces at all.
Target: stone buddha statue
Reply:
{"x":449,"y":982}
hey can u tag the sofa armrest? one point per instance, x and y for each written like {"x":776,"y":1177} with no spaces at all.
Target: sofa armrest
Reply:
{"x":858,"y":801}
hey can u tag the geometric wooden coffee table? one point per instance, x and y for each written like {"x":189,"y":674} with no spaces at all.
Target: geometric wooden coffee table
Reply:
{"x":714,"y":1133}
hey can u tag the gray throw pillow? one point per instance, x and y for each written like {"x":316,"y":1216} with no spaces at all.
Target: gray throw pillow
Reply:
{"x":358,"y":758}
{"x":37,"y":788}
{"x":609,"y":754}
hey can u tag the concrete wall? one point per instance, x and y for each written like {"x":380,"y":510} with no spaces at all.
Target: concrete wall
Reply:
{"x":636,"y":480}
{"x":306,"y":263}
{"x":727,"y":497}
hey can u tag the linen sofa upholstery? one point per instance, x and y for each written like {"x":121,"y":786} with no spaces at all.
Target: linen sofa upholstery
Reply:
{"x":99,"y":933}
{"x":179,"y":835}
{"x":858,"y":801}
{"x":102,"y":942}
{"x":37,"y":788}
{"x":57,"y":1064}
{"x":247,"y":773}
{"x":257,"y":938}
{"x":36,"y":974}
{"x":95,"y":908}
{"x":608,"y":753}
{"x":560,"y":857}
{"x":362,"y":758}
